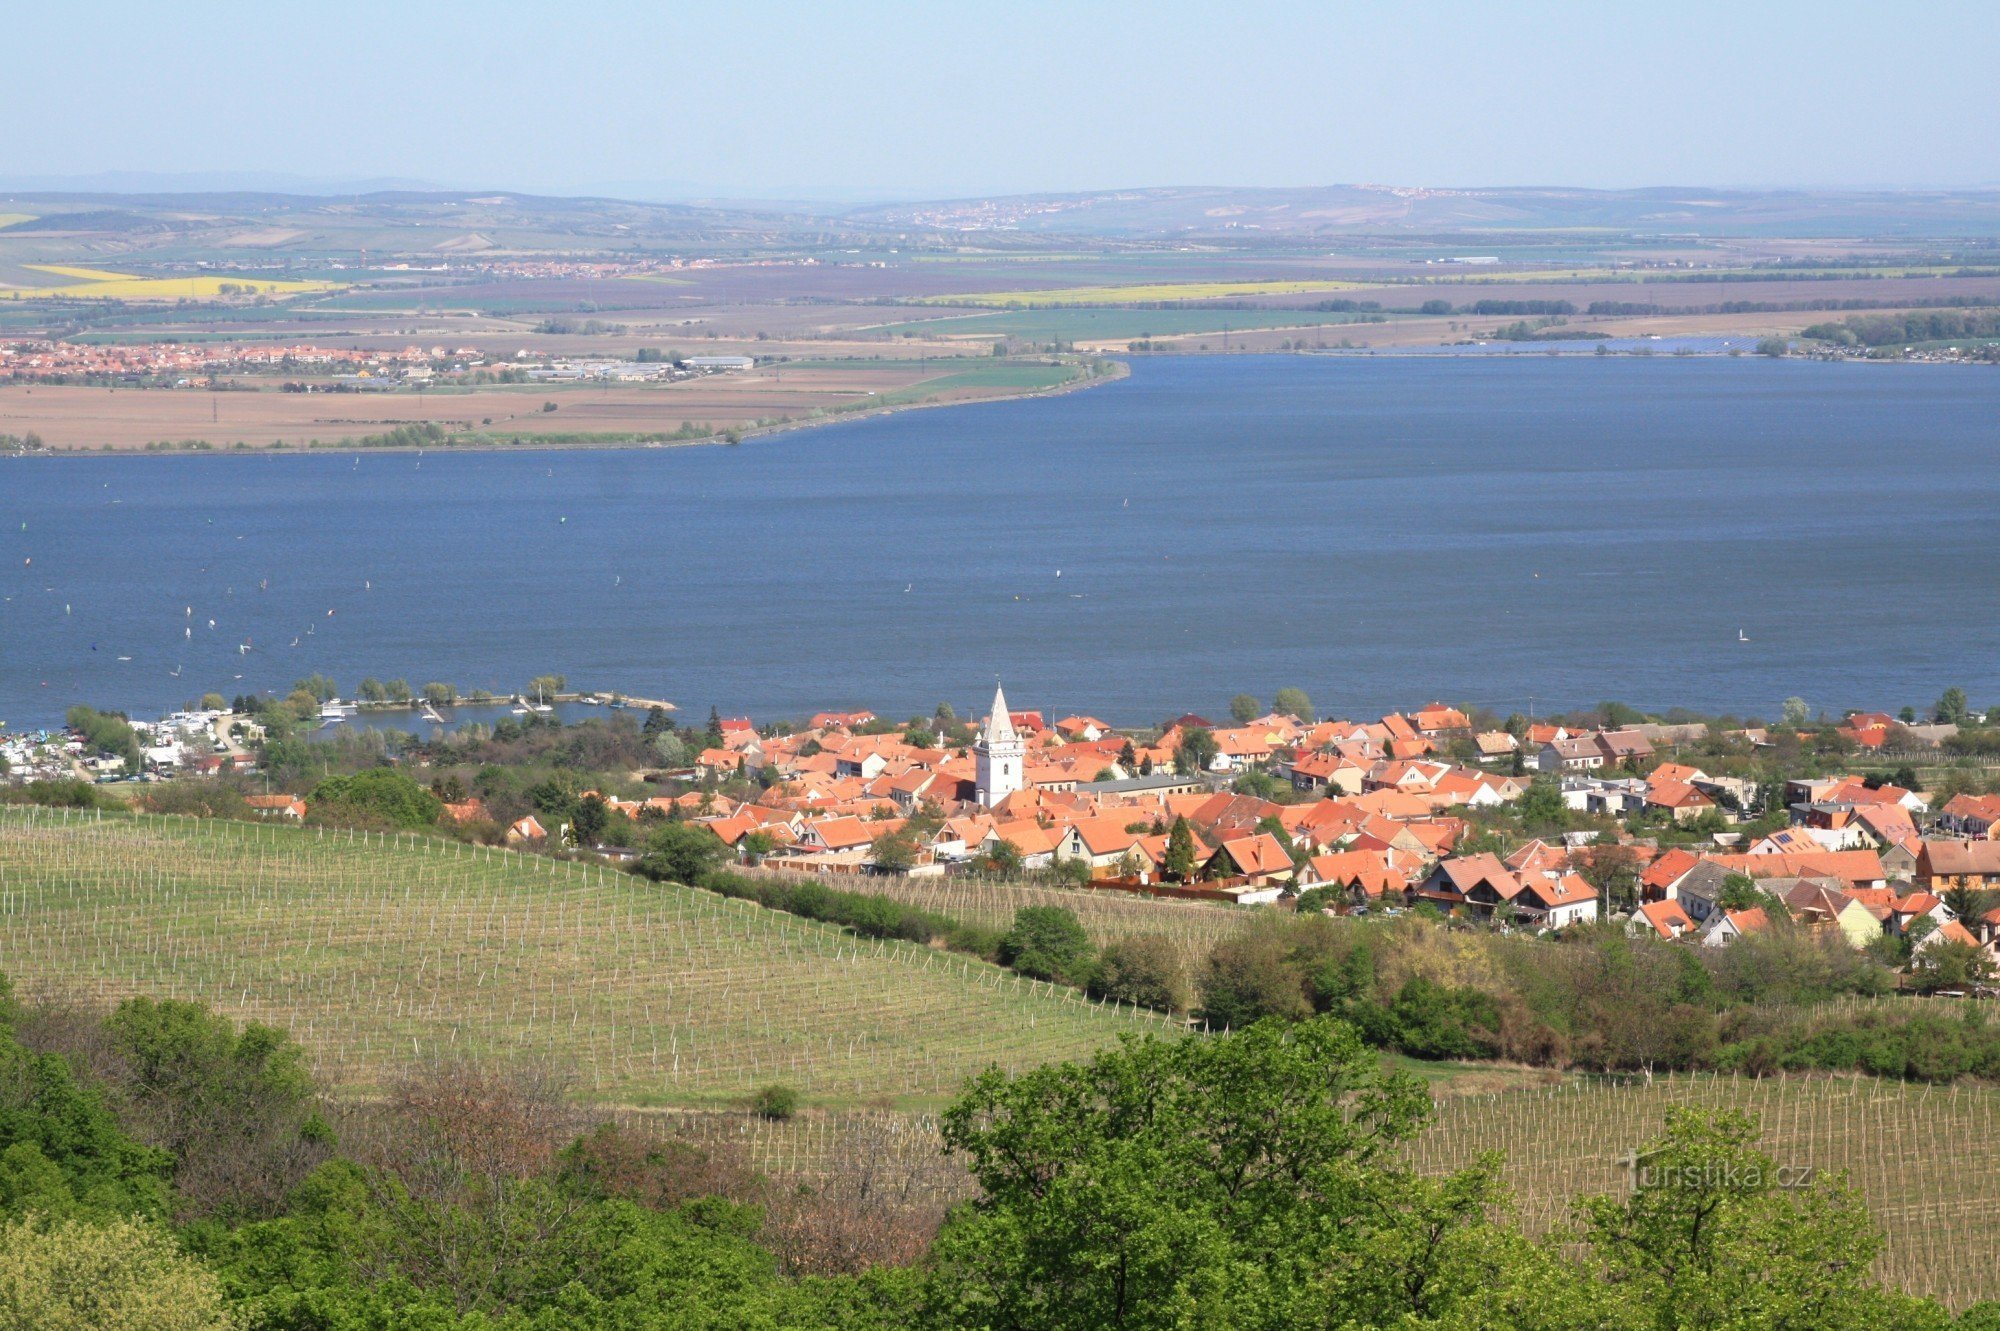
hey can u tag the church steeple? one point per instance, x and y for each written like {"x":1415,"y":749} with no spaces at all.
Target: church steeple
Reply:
{"x":999,"y":755}
{"x":999,"y":724}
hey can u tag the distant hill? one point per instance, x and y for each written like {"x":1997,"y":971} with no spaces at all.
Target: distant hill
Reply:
{"x":1336,"y":209}
{"x":175,"y":222}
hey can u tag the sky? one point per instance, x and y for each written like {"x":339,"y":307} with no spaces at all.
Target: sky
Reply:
{"x":876,"y":99}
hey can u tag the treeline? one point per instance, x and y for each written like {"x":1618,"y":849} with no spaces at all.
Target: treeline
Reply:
{"x":1897,"y":330}
{"x":1595,"y":999}
{"x":162,"y":1168}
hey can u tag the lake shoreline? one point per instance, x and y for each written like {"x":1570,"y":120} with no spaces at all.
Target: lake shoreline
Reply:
{"x":1119,"y":370}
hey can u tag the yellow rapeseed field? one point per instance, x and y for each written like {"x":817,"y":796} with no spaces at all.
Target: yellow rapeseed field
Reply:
{"x":1142,"y":292}
{"x":8,"y":219}
{"x":99,"y":284}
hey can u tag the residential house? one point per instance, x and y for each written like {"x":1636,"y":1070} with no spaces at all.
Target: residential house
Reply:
{"x":1259,"y":858}
{"x":1730,"y":925}
{"x":1556,"y":901}
{"x":1664,"y":918}
{"x":1570,"y":754}
{"x":1943,"y":865}
{"x":287,"y":807}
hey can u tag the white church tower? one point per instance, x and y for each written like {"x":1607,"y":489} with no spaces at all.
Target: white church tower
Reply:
{"x":1000,"y":753}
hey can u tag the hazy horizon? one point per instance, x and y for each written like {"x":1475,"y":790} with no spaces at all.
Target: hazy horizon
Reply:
{"x":880,"y":101}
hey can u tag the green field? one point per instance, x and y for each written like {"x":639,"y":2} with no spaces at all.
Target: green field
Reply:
{"x":376,"y":952}
{"x":1087,"y":322}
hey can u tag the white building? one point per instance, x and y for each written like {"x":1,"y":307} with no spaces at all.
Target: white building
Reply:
{"x":1000,"y":754}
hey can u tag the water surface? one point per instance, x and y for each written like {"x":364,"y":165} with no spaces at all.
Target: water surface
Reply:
{"x":1378,"y":531}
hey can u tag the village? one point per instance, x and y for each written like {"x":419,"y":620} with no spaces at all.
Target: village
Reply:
{"x":307,"y":367}
{"x":1538,"y":826}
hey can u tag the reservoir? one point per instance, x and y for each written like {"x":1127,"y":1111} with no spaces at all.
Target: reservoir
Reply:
{"x":1379,"y":531}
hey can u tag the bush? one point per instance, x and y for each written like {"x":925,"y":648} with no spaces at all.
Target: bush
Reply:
{"x":1144,"y":971}
{"x":65,"y":794}
{"x":775,"y":1102}
{"x":1048,"y":943}
{"x":196,"y":797}
{"x":377,"y":795}
{"x":124,"y":1274}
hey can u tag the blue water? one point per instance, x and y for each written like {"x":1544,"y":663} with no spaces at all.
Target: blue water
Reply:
{"x":1378,"y":531}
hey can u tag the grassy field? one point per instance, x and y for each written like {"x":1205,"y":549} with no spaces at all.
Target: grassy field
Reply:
{"x":375,"y":952}
{"x":98,"y":284}
{"x":1916,"y":1153}
{"x":1142,"y":292}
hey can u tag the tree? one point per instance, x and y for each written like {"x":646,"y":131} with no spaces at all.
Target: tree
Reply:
{"x":1542,"y":805}
{"x":1715,"y":1233}
{"x":1796,"y":712}
{"x":1774,"y":347}
{"x":440,"y":694}
{"x":681,"y":853}
{"x":894,"y":852}
{"x":543,"y":687}
{"x":398,"y":690}
{"x":236,"y":1110}
{"x":1048,"y":943}
{"x":1951,"y":709}
{"x":1003,"y":857}
{"x":213,"y":702}
{"x":122,"y":1275}
{"x":1949,"y":965}
{"x":319,"y":686}
{"x":1244,"y":708}
{"x":1144,"y":970}
{"x":1196,"y":751}
{"x":1293,"y":702}
{"x":1250,"y":976}
{"x":1739,"y":891}
{"x":588,"y":822}
{"x":1248,"y":1181}
{"x":371,"y":690}
{"x":1180,"y":862}
{"x":1614,"y":871}
{"x":378,"y":794}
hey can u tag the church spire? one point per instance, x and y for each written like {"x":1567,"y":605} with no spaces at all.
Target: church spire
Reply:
{"x":1000,"y":724}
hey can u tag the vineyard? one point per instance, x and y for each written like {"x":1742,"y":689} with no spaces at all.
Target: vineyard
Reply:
{"x":376,"y":951}
{"x":1193,"y":927}
{"x":1916,"y":1154}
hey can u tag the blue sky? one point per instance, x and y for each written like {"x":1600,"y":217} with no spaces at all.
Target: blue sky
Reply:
{"x":858,"y":100}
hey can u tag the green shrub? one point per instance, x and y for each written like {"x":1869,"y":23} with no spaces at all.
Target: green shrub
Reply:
{"x":775,"y":1102}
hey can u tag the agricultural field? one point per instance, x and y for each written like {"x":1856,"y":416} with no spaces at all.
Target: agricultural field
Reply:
{"x":375,"y":952}
{"x":98,"y":284}
{"x":1915,"y":1153}
{"x":1097,"y":323}
{"x":1142,"y":293}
